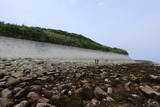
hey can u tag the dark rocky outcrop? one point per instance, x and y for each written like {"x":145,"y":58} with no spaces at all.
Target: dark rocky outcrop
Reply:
{"x":42,"y":83}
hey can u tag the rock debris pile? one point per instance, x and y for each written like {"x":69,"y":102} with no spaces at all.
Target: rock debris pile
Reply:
{"x":41,"y":83}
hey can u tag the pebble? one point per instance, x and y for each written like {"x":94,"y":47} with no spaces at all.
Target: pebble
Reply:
{"x":110,"y":99}
{"x":109,"y":90}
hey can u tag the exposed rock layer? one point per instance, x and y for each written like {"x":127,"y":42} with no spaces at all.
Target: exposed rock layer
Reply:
{"x":18,"y":48}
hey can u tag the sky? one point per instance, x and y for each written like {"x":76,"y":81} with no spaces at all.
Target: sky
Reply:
{"x":133,"y":25}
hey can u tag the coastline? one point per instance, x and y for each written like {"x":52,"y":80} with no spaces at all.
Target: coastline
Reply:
{"x":72,"y":84}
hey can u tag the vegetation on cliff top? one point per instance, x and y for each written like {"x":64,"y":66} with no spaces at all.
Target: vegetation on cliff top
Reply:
{"x":53,"y":36}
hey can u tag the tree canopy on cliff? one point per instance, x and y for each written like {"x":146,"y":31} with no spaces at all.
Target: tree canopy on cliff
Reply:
{"x":53,"y":36}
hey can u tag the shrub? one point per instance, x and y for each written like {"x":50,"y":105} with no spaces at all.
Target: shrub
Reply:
{"x":53,"y":36}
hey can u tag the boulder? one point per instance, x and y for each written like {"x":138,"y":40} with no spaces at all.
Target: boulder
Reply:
{"x":148,"y":91}
{"x":87,"y":92}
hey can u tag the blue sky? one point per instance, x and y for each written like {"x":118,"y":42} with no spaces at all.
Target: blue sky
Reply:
{"x":133,"y":25}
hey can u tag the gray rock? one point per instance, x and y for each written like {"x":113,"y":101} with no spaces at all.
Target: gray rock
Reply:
{"x":22,"y":104}
{"x":155,"y":78}
{"x":4,"y":102}
{"x":43,"y":100}
{"x":55,"y":98}
{"x":16,"y":89}
{"x":27,"y":78}
{"x":156,"y":88}
{"x":134,"y":95}
{"x":125,"y":105}
{"x":33,"y":96}
{"x":17,"y":74}
{"x":3,"y":84}
{"x":102,"y":104}
{"x":147,"y":90}
{"x":50,"y":73}
{"x":36,"y":88}
{"x":13,"y":81}
{"x":87,"y":92}
{"x":99,"y":93}
{"x":21,"y":93}
{"x":8,"y":64}
{"x":44,"y":105}
{"x":43,"y":78}
{"x":109,"y":90}
{"x":2,"y":75}
{"x":133,"y":77}
{"x":110,"y":99}
{"x":4,"y":78}
{"x":94,"y":102}
{"x":103,"y":75}
{"x":152,"y":103}
{"x":78,"y":75}
{"x":107,"y":80}
{"x":6,"y":93}
{"x":36,"y":97}
{"x":127,"y":86}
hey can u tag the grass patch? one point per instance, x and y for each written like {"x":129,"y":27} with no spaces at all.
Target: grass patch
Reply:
{"x":54,"y":36}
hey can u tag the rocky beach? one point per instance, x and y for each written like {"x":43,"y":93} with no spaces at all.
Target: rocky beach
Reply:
{"x":44,"y":83}
{"x":79,"y":53}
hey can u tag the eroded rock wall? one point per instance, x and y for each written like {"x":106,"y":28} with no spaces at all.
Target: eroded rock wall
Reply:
{"x":17,"y":48}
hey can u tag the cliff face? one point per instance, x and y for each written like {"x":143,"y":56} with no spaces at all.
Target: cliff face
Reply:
{"x":17,"y":48}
